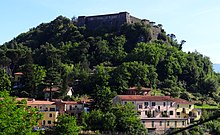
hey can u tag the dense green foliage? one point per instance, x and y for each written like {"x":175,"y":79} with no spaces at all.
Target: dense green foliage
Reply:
{"x":66,"y":125}
{"x":61,"y":53}
{"x":120,"y":118}
{"x":16,"y":118}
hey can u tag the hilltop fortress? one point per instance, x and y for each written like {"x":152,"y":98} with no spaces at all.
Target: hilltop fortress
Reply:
{"x":114,"y":22}
{"x":109,"y":20}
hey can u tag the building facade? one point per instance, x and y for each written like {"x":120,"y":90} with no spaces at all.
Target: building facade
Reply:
{"x":160,"y":113}
{"x":48,"y":109}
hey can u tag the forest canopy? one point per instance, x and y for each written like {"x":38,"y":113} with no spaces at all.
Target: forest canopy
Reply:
{"x":65,"y":55}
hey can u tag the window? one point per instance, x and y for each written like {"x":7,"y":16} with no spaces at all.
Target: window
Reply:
{"x":178,"y":106}
{"x":146,"y":112}
{"x":184,"y":110}
{"x":183,"y":123}
{"x":152,"y":123}
{"x":164,"y":103}
{"x":161,"y":123}
{"x":199,"y":113}
{"x":145,"y":103}
{"x":132,"y":102}
{"x":171,"y":104}
{"x":171,"y":112}
{"x":50,"y":115}
{"x":125,"y":102}
{"x":168,"y":123}
{"x":52,"y":109}
{"x":177,"y":113}
{"x":44,"y":122}
{"x":190,"y":106}
{"x":153,"y":114}
{"x":140,"y":106}
{"x":175,"y":123}
{"x":143,"y":122}
{"x":48,"y":122}
{"x":158,"y":108}
{"x":190,"y":114}
{"x":153,"y":103}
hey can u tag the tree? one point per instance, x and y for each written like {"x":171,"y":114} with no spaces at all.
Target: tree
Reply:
{"x":53,"y":76}
{"x":98,"y":120}
{"x":16,"y":118}
{"x":117,"y":50}
{"x":28,"y":72}
{"x":208,"y":86}
{"x":5,"y":83}
{"x":127,"y":120}
{"x":66,"y":125}
{"x":103,"y":98}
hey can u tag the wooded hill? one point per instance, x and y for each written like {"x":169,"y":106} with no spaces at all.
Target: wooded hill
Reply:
{"x":105,"y":63}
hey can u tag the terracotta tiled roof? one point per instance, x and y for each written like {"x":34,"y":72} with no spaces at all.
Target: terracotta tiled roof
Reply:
{"x":70,"y":102}
{"x":40,"y":102}
{"x":152,"y":98}
{"x":19,"y":99}
{"x":182,"y":101}
{"x":142,"y":88}
{"x":18,"y":73}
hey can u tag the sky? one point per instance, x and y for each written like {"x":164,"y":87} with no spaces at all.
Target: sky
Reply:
{"x":195,"y":21}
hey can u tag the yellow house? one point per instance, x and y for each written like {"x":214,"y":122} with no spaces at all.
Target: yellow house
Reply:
{"x":48,"y":109}
{"x":186,"y":109}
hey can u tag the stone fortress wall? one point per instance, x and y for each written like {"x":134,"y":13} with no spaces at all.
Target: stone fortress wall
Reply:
{"x":108,"y":20}
{"x":114,"y":22}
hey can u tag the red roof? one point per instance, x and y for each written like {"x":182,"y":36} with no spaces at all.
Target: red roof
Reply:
{"x":142,"y":88}
{"x":71,"y":102}
{"x":40,"y":102}
{"x":152,"y":98}
{"x":182,"y":101}
{"x":18,"y":73}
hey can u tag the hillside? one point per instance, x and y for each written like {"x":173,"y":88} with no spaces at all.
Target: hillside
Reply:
{"x":64,"y":54}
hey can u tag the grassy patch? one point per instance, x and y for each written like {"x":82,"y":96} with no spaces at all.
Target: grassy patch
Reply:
{"x":206,"y":106}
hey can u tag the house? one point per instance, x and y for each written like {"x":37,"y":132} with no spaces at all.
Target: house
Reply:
{"x":18,"y":76}
{"x":160,"y":113}
{"x":138,"y":91}
{"x":48,"y":109}
{"x":69,"y":91}
{"x":51,"y":109}
{"x":50,"y":90}
{"x":70,"y":107}
{"x":74,"y":108}
{"x":56,"y":90}
{"x":17,"y":81}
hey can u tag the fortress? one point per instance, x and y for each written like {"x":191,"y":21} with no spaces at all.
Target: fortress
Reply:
{"x":109,"y":21}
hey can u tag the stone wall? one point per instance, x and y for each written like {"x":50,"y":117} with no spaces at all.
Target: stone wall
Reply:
{"x":113,"y":22}
{"x":108,"y":21}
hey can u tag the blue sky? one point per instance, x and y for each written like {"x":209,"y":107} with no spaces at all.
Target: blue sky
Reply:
{"x":196,"y":21}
